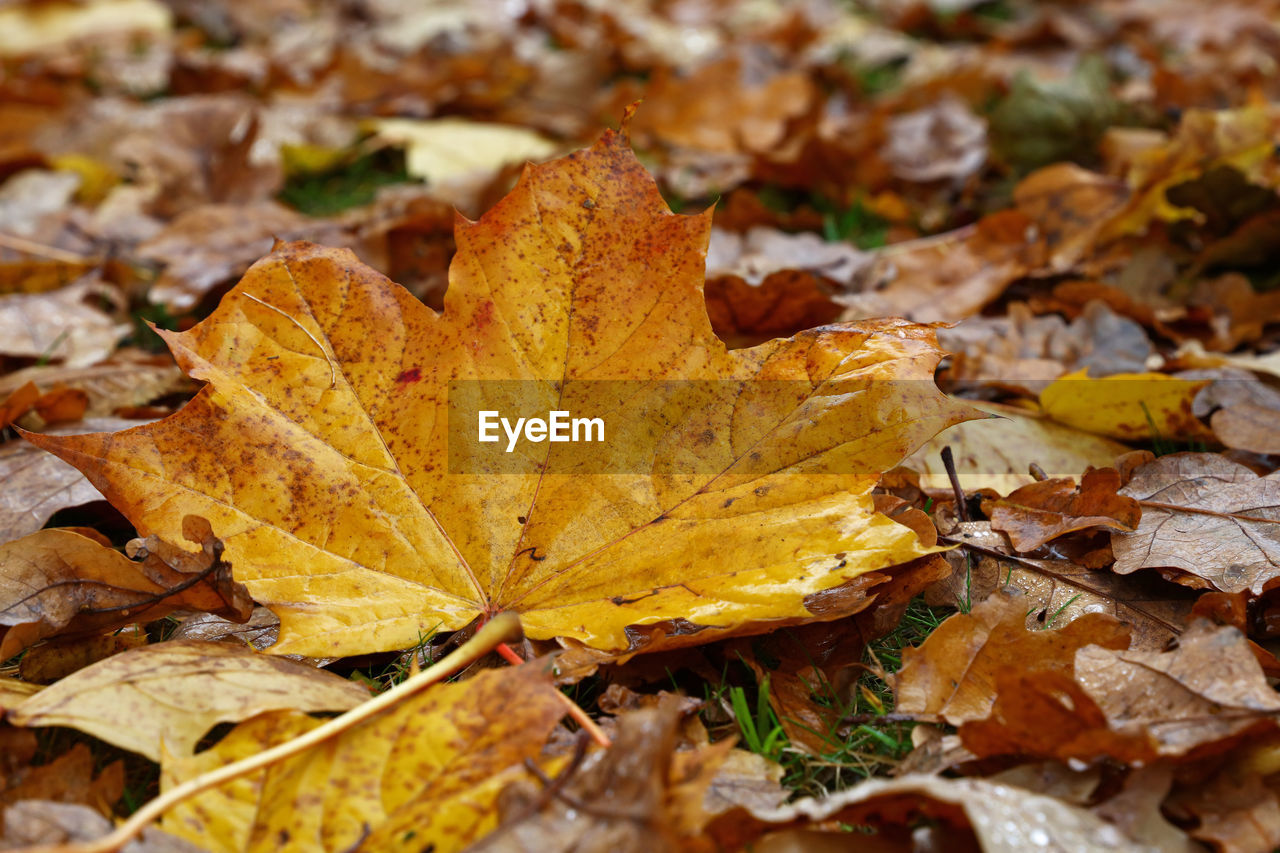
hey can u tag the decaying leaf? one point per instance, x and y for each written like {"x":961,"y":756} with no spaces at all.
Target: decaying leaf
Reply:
{"x":953,"y":674}
{"x":46,"y":662}
{"x":1132,"y":706}
{"x":37,"y":484}
{"x":948,"y":277}
{"x":208,"y":245}
{"x":169,"y":694}
{"x":1208,"y":689}
{"x":1058,"y":591}
{"x":423,"y":774}
{"x":927,"y":810}
{"x":1214,"y":520}
{"x":1038,"y":512}
{"x":68,"y":778}
{"x":636,"y":796}
{"x":36,"y":822}
{"x":61,"y":325}
{"x":585,"y":292}
{"x":59,"y":582}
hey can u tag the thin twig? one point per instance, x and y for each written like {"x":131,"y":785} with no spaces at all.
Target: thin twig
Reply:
{"x":499,"y":629}
{"x":30,"y":247}
{"x":949,"y":462}
{"x":333,"y":371}
{"x":572,"y":708}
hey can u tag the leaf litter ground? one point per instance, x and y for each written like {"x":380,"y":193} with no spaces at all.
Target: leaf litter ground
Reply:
{"x":1111,"y":222}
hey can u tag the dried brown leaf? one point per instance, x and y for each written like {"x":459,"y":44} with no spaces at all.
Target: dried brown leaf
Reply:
{"x":1034,"y":514}
{"x":172,"y":693}
{"x":1212,"y":519}
{"x":954,"y":673}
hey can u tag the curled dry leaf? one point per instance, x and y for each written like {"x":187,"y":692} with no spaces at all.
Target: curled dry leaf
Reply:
{"x":129,"y":379}
{"x":68,"y":778}
{"x":1132,"y":706}
{"x":954,"y":673}
{"x":953,"y":814}
{"x":37,"y":484}
{"x":732,"y":486}
{"x":943,"y":141}
{"x":1214,"y":520}
{"x":56,"y":582}
{"x":1036,"y":513}
{"x":39,"y":822}
{"x":170,"y":694}
{"x":1058,"y":591}
{"x":62,"y":325}
{"x":638,"y":795}
{"x":424,"y":774}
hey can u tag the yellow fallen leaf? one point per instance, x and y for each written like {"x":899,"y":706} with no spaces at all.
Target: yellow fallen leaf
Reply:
{"x":32,"y":27}
{"x":173,"y":693}
{"x":421,"y":775}
{"x":448,"y":150}
{"x":730,"y":485}
{"x":1127,"y":406}
{"x":1205,"y":139}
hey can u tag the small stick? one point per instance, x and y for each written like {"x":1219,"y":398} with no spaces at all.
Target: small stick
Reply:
{"x":863,"y":719}
{"x":949,"y":463}
{"x":19,"y":244}
{"x":503,"y":627}
{"x":333,"y":371}
{"x":572,"y":708}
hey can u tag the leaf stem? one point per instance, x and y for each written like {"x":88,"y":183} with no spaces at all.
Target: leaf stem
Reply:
{"x":572,"y":708}
{"x":498,"y":630}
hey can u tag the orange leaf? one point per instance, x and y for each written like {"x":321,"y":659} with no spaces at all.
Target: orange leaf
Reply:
{"x":1036,"y":513}
{"x":731,"y":484}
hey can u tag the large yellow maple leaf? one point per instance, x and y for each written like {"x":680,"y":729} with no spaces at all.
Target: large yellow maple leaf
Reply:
{"x":731,"y":484}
